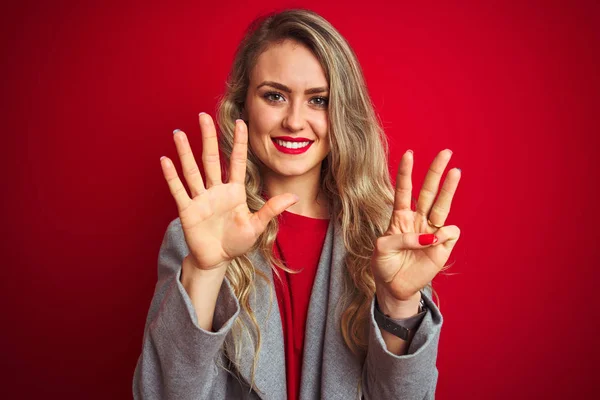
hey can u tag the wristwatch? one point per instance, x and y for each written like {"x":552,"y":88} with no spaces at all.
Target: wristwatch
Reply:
{"x":400,"y":327}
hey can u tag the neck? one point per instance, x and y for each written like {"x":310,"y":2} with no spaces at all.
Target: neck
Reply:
{"x":312,"y":202}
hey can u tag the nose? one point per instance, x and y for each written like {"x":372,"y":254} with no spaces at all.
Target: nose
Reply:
{"x":294,"y":120}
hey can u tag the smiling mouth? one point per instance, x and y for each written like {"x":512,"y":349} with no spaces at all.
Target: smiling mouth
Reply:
{"x":291,"y":147}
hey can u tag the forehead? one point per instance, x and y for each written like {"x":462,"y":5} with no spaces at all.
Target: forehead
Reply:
{"x":290,"y":63}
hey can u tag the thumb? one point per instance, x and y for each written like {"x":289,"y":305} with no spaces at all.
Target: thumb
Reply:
{"x":273,"y":207}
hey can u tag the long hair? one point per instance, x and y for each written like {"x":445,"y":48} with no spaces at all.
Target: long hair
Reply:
{"x":354,"y":175}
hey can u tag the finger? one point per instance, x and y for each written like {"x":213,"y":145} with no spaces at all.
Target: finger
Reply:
{"x":441,"y":208}
{"x":210,"y":151}
{"x":175,"y":186}
{"x":404,"y":183}
{"x":240,"y":153}
{"x":188,"y":163}
{"x":448,"y":236}
{"x":273,"y":207}
{"x":407,"y":241}
{"x":432,"y":183}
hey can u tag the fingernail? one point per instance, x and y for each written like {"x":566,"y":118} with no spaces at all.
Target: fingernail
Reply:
{"x":459,"y":169}
{"x":201,"y":113}
{"x":176,"y":130}
{"x":238,"y":120}
{"x":427,"y":239}
{"x":409,"y":151}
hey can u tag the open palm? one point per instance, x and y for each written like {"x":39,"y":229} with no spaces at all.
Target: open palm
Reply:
{"x":411,"y":252}
{"x":216,"y":221}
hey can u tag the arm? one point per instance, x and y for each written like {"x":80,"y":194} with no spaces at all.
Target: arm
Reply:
{"x":203,"y":289}
{"x":407,"y":316}
{"x":409,"y":376}
{"x":178,"y":356}
{"x":409,"y":254}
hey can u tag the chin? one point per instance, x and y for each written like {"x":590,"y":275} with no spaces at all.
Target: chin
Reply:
{"x":296,"y":170}
{"x":291,"y":172}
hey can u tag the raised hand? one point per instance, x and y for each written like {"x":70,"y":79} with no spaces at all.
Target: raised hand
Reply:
{"x":413,"y":249}
{"x":216,"y":221}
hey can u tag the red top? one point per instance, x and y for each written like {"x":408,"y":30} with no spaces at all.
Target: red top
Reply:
{"x":299,"y":244}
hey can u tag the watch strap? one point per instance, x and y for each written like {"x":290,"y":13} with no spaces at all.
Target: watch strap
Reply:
{"x":400,"y":327}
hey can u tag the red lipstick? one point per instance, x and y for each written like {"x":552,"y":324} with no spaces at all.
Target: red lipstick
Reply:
{"x":292,"y":139}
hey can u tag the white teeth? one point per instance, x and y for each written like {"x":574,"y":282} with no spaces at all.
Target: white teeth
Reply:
{"x":292,"y":145}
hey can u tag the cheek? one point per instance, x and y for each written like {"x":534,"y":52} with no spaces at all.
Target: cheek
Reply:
{"x":254,"y":142}
{"x":263,"y":119}
{"x":258,"y":143}
{"x":322,"y":128}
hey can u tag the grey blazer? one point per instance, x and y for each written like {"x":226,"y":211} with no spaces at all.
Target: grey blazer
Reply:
{"x":179,"y":360}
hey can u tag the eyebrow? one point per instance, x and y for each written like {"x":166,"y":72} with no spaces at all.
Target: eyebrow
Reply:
{"x":281,"y":86}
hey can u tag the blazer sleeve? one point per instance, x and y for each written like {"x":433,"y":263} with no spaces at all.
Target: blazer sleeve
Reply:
{"x":410,"y":376}
{"x":178,"y":358}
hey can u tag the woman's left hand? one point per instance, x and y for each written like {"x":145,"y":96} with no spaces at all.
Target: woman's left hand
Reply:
{"x":411,"y":252}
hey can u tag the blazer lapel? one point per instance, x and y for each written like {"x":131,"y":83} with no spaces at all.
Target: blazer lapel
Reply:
{"x":314,"y":335}
{"x":329,"y":366}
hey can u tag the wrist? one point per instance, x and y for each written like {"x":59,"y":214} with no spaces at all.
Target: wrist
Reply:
{"x":190,"y":272}
{"x":202,"y":288}
{"x":398,"y":309}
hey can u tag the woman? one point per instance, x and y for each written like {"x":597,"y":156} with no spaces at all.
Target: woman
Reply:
{"x":237,"y":311}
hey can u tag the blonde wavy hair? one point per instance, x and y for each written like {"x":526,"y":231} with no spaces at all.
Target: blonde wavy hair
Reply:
{"x":354,"y":176}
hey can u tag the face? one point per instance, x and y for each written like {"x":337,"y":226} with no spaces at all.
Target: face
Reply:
{"x":286,"y":109}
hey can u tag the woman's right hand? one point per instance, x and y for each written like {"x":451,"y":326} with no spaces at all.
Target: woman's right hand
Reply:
{"x":216,"y":221}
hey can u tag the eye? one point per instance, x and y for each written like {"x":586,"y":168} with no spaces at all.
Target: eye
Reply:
{"x":323,"y":101}
{"x":272,"y":96}
{"x":275,"y":97}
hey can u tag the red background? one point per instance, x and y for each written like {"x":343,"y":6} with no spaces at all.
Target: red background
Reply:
{"x":91,"y":94}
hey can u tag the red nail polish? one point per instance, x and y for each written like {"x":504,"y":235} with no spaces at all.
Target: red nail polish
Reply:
{"x":427,"y":239}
